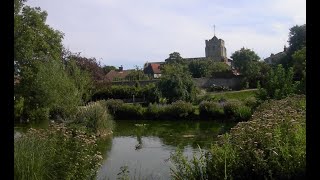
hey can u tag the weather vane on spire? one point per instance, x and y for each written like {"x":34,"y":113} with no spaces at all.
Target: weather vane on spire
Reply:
{"x":214,"y":30}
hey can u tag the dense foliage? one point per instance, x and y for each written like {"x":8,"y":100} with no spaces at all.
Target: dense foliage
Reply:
{"x":56,"y":153}
{"x":279,"y":84}
{"x":176,"y":83}
{"x":147,"y":93}
{"x":93,"y":118}
{"x":48,"y":86}
{"x":271,"y":145}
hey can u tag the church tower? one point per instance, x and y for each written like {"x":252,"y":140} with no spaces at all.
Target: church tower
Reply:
{"x":215,"y":49}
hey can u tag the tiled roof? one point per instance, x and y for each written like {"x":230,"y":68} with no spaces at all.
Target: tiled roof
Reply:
{"x":117,"y":74}
{"x":156,"y":68}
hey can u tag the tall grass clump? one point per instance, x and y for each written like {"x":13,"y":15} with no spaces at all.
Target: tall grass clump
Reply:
{"x":272,"y":145}
{"x":113,"y":105}
{"x":56,"y":153}
{"x":180,"y":109}
{"x":94,"y":118}
{"x":210,"y":110}
{"x":130,"y":111}
{"x":237,"y":110}
{"x":155,"y":111}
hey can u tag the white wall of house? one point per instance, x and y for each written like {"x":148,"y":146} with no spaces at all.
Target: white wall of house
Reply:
{"x":156,"y":75}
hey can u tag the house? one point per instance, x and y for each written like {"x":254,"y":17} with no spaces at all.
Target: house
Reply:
{"x":274,"y":58}
{"x":153,"y":69}
{"x":118,"y":75}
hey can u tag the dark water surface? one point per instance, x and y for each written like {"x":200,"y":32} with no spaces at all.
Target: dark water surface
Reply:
{"x":145,"y":146}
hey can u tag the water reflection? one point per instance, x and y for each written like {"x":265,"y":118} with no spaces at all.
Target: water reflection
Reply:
{"x":145,"y":146}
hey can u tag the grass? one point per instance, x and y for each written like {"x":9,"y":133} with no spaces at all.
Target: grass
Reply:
{"x":63,"y":151}
{"x":55,"y":153}
{"x":238,"y":95}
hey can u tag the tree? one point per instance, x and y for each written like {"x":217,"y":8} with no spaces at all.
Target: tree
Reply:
{"x":81,"y":79}
{"x":198,"y":68}
{"x":297,"y":41}
{"x":48,"y":92}
{"x":297,"y":38}
{"x":90,"y":65}
{"x":176,"y":83}
{"x":255,"y":72}
{"x":279,"y":84}
{"x":34,"y":40}
{"x":299,"y":63}
{"x":242,"y":57}
{"x":175,"y":58}
{"x":107,"y":69}
{"x":137,"y":74}
{"x":47,"y":86}
{"x":215,"y":67}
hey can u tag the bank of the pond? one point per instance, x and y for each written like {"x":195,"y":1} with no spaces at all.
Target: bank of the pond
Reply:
{"x":228,"y":110}
{"x":67,"y":150}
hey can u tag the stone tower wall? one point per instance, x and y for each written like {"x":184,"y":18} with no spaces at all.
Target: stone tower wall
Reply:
{"x":215,"y":49}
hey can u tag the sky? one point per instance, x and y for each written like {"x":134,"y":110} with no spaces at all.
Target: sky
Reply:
{"x":133,"y":32}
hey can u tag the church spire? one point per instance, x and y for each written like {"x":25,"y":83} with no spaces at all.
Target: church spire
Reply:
{"x":214,"y":30}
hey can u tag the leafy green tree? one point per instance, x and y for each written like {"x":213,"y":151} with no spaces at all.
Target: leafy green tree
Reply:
{"x":48,"y":86}
{"x":255,"y":72}
{"x":299,"y":62}
{"x":299,"y":67}
{"x":176,"y":83}
{"x":297,"y":41}
{"x":242,"y":57}
{"x":297,"y":38}
{"x":137,"y":74}
{"x":214,"y":67}
{"x":81,"y":79}
{"x":107,"y":69}
{"x":34,"y":40}
{"x":50,"y":92}
{"x":175,"y":57}
{"x":198,"y":68}
{"x":279,"y":84}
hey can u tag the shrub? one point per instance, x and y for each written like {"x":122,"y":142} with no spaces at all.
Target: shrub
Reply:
{"x":38,"y":115}
{"x":242,"y":113}
{"x":113,"y":105}
{"x":251,"y":102}
{"x":279,"y":84}
{"x":237,"y":110}
{"x":230,"y":107}
{"x":18,"y":107}
{"x":180,"y":109}
{"x":210,"y":109}
{"x":130,"y":111}
{"x":95,"y":118}
{"x":155,"y":111}
{"x":206,"y":97}
{"x":217,"y":88}
{"x":55,"y":153}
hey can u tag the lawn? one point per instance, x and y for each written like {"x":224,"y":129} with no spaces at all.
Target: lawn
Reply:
{"x":239,"y":95}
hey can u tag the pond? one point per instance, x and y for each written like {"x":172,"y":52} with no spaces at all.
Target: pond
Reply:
{"x":145,"y":146}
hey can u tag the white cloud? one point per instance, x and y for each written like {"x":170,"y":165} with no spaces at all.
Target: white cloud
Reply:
{"x":132,"y":32}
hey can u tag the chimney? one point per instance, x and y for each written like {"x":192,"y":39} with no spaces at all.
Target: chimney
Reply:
{"x":285,"y":48}
{"x":121,"y":68}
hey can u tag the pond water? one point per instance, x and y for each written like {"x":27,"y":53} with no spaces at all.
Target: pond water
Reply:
{"x":145,"y":146}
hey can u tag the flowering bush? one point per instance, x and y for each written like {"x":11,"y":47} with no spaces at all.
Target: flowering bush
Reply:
{"x":272,"y":145}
